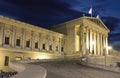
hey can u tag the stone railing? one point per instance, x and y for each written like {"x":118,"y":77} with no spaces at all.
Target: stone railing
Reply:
{"x":28,"y":70}
{"x":110,"y":63}
{"x":109,"y":68}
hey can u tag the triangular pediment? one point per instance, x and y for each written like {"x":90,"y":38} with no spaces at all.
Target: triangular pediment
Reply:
{"x":98,"y":22}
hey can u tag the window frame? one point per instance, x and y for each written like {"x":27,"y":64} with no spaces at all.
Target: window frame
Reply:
{"x":36,"y":45}
{"x":17,"y":40}
{"x":28,"y":43}
{"x":7,"y":40}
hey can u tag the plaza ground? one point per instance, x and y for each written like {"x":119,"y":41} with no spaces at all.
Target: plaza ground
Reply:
{"x":72,"y":69}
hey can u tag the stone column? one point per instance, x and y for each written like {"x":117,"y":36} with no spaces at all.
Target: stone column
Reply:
{"x":106,"y":45}
{"x":95,"y":43}
{"x":103,"y":41}
{"x":1,"y":35}
{"x":101,"y":51}
{"x":98,"y":44}
{"x":82,"y":39}
{"x":102,"y":44}
{"x":91,"y":45}
{"x":87,"y":40}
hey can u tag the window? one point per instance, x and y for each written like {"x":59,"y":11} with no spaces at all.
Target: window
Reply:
{"x":28,"y":44}
{"x":7,"y":40}
{"x":17,"y":42}
{"x":62,"y":49}
{"x":50,"y":47}
{"x":36,"y":44}
{"x":43,"y":46}
{"x":56,"y":48}
{"x":18,"y":58}
{"x":6,"y":60}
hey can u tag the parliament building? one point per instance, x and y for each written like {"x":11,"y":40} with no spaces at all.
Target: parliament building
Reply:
{"x":72,"y":39}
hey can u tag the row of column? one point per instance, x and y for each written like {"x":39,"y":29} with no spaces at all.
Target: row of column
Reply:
{"x":96,"y":42}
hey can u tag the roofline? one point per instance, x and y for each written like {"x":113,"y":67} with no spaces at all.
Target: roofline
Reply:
{"x":67,"y":22}
{"x":99,"y":20}
{"x":30,"y":25}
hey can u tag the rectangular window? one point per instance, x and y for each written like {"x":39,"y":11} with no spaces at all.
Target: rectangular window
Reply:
{"x":43,"y":46}
{"x":17,"y":42}
{"x":56,"y":48}
{"x":18,"y":58}
{"x":6,"y":60}
{"x":7,"y":40}
{"x":28,"y":44}
{"x":50,"y":47}
{"x":62,"y":49}
{"x":36,"y":45}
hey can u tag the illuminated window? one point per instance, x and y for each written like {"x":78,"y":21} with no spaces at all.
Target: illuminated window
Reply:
{"x":36,"y":45}
{"x":7,"y":40}
{"x":50,"y":47}
{"x":43,"y":46}
{"x":28,"y":44}
{"x":17,"y":42}
{"x":6,"y":60}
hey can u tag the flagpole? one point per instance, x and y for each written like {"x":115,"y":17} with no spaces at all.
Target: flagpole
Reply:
{"x":91,"y":7}
{"x":90,"y":11}
{"x":91,"y":15}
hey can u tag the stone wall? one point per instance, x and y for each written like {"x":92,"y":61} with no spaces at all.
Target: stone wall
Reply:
{"x":19,"y":40}
{"x":103,"y":60}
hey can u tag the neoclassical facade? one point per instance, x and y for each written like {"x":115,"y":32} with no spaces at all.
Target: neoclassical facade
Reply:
{"x":20,"y":40}
{"x":72,"y":39}
{"x":84,"y":36}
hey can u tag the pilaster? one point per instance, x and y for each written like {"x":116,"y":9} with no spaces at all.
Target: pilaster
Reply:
{"x":32,"y":45}
{"x":13,"y":36}
{"x":106,"y":45}
{"x":23,"y":38}
{"x":1,"y":35}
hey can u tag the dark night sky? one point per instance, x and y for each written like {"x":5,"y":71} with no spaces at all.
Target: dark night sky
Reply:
{"x":45,"y":13}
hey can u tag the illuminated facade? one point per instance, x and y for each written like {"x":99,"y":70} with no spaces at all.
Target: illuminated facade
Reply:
{"x":20,"y":40}
{"x":72,"y":39}
{"x":84,"y":36}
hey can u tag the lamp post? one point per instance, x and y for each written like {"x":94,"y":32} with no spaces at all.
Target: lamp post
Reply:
{"x":109,"y":48}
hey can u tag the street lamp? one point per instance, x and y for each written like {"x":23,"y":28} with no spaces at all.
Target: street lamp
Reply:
{"x":109,"y":48}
